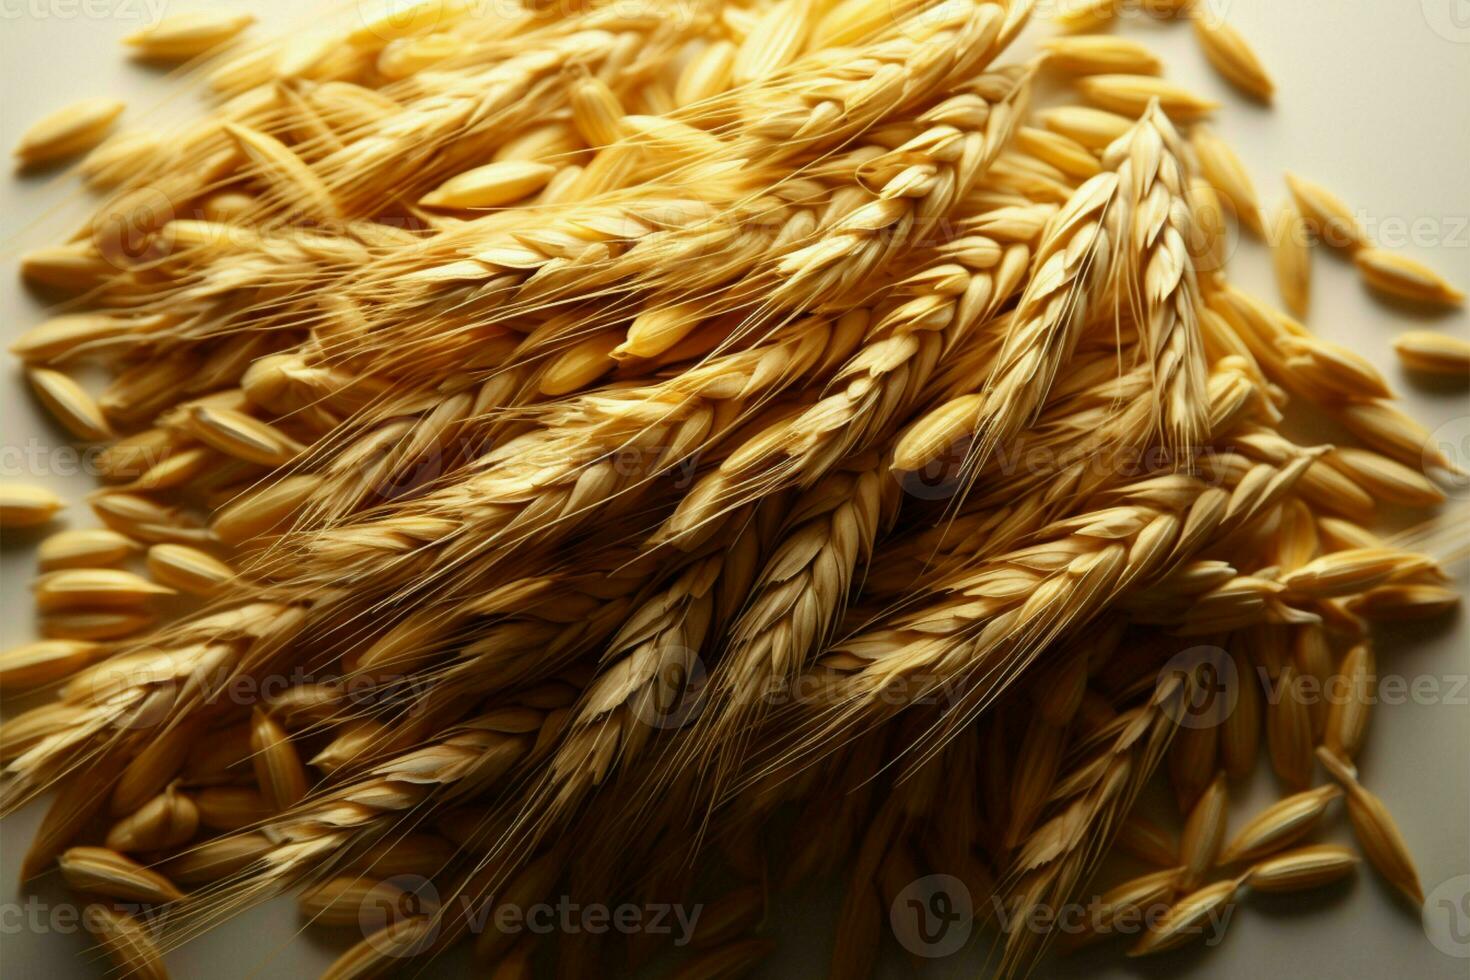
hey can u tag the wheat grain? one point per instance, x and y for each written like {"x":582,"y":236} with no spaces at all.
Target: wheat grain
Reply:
{"x":1386,"y":479}
{"x":1347,"y":717}
{"x":69,"y":404}
{"x":232,"y":807}
{"x":179,"y":37}
{"x":1404,"y":602}
{"x":1332,"y":220}
{"x":23,"y":505}
{"x":278,"y":768}
{"x":1279,"y":825}
{"x":83,"y":548}
{"x":104,"y":872}
{"x":1405,"y":278}
{"x":1289,"y":730}
{"x":188,"y":569}
{"x":163,"y":823}
{"x":340,"y":901}
{"x":1228,"y":51}
{"x":1307,"y":867}
{"x":1433,"y":353}
{"x":1131,"y":95}
{"x":68,"y":131}
{"x":1227,"y":174}
{"x":1204,"y":832}
{"x":1376,"y":831}
{"x":1186,"y":919}
{"x":1292,"y":258}
{"x":126,"y":941}
{"x":1100,"y":54}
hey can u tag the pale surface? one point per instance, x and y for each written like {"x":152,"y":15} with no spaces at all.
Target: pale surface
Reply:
{"x":1371,"y":102}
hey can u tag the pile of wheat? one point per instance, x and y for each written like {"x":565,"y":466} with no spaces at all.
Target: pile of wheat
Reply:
{"x":593,"y":433}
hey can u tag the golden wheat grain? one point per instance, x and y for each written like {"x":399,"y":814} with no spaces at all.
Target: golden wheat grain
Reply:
{"x":1304,"y":868}
{"x":1405,"y":278}
{"x":1204,"y":832}
{"x":83,"y":548}
{"x":1291,"y":256}
{"x":1131,"y":95}
{"x":23,"y":505}
{"x":69,"y":404}
{"x":181,"y":36}
{"x":67,"y":131}
{"x":278,"y":769}
{"x":163,"y":823}
{"x":187,"y":569}
{"x":1187,"y":919}
{"x":105,"y":872}
{"x":1376,"y":831}
{"x":1100,"y":54}
{"x":1433,"y":353}
{"x":1280,"y":824}
{"x":127,"y":943}
{"x":1390,"y":603}
{"x":1330,"y":217}
{"x":1228,"y":51}
{"x":1084,"y":15}
{"x":1289,"y":730}
{"x":1224,"y":170}
{"x":1352,"y":700}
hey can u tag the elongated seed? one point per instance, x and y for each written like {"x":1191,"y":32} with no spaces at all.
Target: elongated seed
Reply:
{"x":216,"y":859}
{"x":1379,"y":835}
{"x":127,"y":943}
{"x":69,"y":130}
{"x":181,"y":36}
{"x":44,"y":662}
{"x":1351,"y":702}
{"x":1405,"y":278}
{"x":1289,"y":731}
{"x":232,"y":807}
{"x":1280,"y":824}
{"x":1303,"y":868}
{"x":92,"y":588}
{"x":164,"y":822}
{"x":112,"y":624}
{"x":1228,"y":51}
{"x":278,"y":769}
{"x":1433,"y":353}
{"x":1331,"y":218}
{"x":188,"y":569}
{"x":340,"y":901}
{"x":1188,"y":919}
{"x":105,"y":872}
{"x":491,"y":186}
{"x":1204,"y":831}
{"x":84,"y":548}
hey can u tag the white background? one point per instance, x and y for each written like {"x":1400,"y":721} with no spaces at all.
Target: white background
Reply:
{"x":1372,"y":102}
